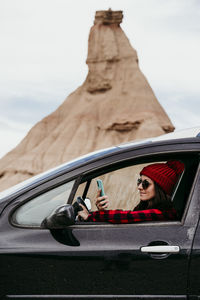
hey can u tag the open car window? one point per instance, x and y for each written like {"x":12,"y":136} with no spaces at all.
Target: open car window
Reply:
{"x":120,"y":186}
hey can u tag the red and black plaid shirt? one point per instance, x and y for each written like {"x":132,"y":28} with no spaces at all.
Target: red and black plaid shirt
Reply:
{"x":129,"y":216}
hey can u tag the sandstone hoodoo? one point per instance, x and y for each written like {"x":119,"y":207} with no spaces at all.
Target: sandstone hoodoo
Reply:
{"x":115,"y":104}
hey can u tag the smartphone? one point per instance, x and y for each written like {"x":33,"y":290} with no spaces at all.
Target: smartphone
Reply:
{"x":100,"y":187}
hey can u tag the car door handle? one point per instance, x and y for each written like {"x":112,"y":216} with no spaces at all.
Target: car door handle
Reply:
{"x":160,"y":249}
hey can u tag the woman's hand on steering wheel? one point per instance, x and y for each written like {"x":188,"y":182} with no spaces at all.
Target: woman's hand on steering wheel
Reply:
{"x":84,"y":213}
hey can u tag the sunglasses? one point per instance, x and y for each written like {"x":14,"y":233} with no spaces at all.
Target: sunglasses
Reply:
{"x":145,"y":183}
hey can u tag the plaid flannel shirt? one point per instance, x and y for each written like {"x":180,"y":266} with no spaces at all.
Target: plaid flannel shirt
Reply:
{"x":128,"y":216}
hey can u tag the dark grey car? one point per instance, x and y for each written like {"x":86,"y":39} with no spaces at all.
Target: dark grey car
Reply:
{"x":90,"y":260}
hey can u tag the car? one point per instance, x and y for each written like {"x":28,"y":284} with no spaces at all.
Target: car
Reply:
{"x":68,"y":258}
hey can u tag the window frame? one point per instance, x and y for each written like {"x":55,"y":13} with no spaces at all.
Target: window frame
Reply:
{"x":113,"y":161}
{"x":88,"y":175}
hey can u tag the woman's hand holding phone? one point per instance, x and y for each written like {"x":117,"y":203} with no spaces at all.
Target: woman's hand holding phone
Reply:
{"x":101,"y":200}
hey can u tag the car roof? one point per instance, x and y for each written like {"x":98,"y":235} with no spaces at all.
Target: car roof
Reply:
{"x":177,"y":135}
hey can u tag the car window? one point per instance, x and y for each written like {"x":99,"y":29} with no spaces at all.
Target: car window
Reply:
{"x":121,"y":186}
{"x":34,"y":211}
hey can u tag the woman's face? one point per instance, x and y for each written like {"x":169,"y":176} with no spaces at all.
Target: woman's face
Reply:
{"x":149,"y":192}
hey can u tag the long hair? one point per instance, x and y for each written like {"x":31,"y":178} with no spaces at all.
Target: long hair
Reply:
{"x":161,"y":200}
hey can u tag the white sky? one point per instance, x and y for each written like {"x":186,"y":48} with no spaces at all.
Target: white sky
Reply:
{"x":44,"y":49}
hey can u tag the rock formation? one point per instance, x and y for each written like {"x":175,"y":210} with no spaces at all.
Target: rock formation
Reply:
{"x":115,"y":104}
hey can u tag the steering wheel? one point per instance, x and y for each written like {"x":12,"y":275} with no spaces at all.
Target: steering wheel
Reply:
{"x":77,"y":207}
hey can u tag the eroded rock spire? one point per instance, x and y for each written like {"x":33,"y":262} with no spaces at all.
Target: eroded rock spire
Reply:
{"x":115,"y":104}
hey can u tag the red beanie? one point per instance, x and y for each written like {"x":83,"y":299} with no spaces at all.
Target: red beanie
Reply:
{"x":164,"y":174}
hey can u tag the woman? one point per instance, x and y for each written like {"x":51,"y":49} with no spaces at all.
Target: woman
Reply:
{"x":155,"y":185}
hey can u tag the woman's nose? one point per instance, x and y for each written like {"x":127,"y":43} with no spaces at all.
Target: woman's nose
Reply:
{"x":140,"y":186}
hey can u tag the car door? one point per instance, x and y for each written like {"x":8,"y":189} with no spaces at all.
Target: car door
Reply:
{"x":147,"y":259}
{"x":96,"y":260}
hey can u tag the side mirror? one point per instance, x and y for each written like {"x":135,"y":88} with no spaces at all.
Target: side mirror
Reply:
{"x":65,"y":215}
{"x":61,"y":217}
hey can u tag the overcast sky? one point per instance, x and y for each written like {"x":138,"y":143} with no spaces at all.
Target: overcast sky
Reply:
{"x":44,"y":48}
